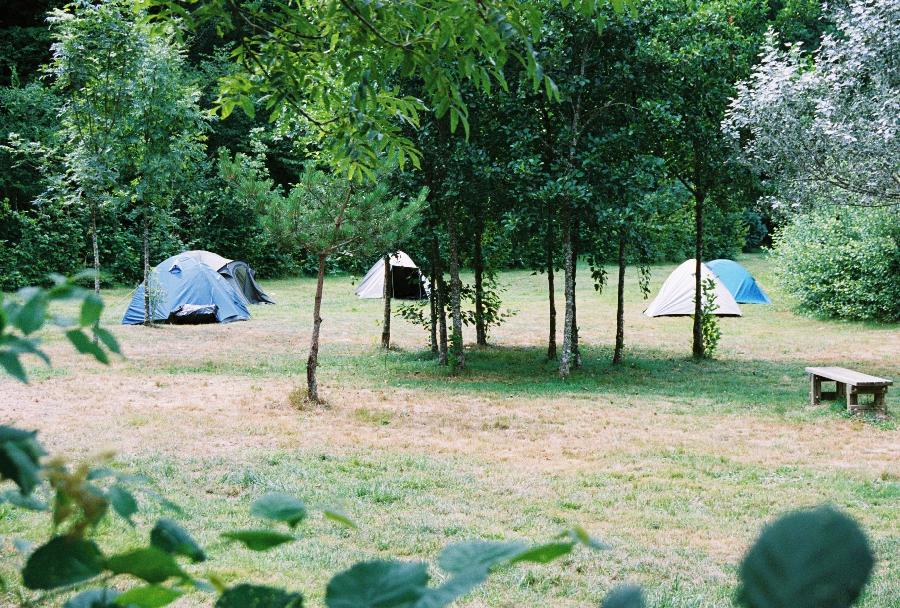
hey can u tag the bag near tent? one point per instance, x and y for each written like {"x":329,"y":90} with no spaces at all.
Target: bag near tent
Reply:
{"x":198,"y":287}
{"x":407,"y":282}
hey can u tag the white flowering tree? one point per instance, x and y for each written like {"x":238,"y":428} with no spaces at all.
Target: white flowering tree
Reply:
{"x":823,"y":127}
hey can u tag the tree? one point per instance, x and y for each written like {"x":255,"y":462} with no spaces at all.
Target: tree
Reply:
{"x":164,"y":135}
{"x":97,"y":51}
{"x":822,"y":127}
{"x":692,"y":57}
{"x":327,"y":216}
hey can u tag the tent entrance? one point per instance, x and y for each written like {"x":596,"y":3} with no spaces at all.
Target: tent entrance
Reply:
{"x":406,"y":283}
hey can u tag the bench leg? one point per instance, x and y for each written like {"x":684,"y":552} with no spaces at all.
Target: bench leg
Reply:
{"x":852,"y":400}
{"x":879,"y":401}
{"x":840,"y":390}
{"x":815,"y":389}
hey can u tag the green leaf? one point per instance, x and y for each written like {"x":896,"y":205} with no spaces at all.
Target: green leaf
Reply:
{"x":84,"y":345}
{"x":149,"y":564}
{"x":624,"y":596}
{"x":149,"y":596}
{"x":91,"y":309}
{"x":11,"y":364}
{"x":337,"y":516}
{"x":122,"y":502}
{"x":109,"y":341}
{"x":31,"y":315}
{"x":258,"y":540}
{"x":20,"y":455}
{"x":452,"y":589}
{"x":16,"y":498}
{"x":62,"y":561}
{"x":94,"y":598}
{"x":543,"y":554}
{"x":279,"y":507}
{"x":172,"y":538}
{"x":818,"y":558}
{"x":255,"y":596}
{"x":377,"y":584}
{"x":463,"y":556}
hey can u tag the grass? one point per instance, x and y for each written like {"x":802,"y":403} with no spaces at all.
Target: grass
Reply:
{"x":676,"y":464}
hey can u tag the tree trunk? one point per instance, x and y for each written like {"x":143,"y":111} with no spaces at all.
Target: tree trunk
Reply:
{"x":698,"y":349}
{"x":432,"y":303}
{"x":620,"y":303}
{"x":456,"y":338}
{"x":95,"y":245}
{"x":551,"y":289}
{"x":480,"y":329}
{"x":565,"y":359}
{"x":441,"y":302}
{"x":312,"y":362}
{"x":148,"y":314}
{"x":576,"y":351}
{"x":388,"y":294}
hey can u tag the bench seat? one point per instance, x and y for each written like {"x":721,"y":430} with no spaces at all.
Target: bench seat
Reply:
{"x":849,"y":384}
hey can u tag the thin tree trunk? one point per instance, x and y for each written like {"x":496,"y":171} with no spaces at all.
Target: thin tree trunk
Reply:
{"x":456,"y":338}
{"x":432,"y":303}
{"x":388,"y":294}
{"x":312,"y":362}
{"x":565,"y":359}
{"x":95,"y":245}
{"x":551,"y":288}
{"x":620,"y":302}
{"x":441,"y":302}
{"x":148,"y":314}
{"x":698,"y":349}
{"x":576,"y":351}
{"x":480,"y":329}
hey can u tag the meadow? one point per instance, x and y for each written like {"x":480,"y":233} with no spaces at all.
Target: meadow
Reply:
{"x":675,"y":464}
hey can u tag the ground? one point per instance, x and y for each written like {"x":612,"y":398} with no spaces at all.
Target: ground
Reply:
{"x":675,"y":464}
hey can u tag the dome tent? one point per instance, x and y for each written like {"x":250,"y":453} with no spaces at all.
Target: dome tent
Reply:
{"x":676,"y":296}
{"x":407,"y":282}
{"x":739,"y":282}
{"x":188,"y":292}
{"x":237,"y":272}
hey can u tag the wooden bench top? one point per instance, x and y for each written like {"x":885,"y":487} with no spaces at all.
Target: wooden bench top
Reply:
{"x":848,"y":376}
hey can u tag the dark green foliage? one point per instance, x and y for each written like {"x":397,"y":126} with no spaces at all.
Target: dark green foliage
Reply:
{"x":279,"y":507}
{"x":149,"y":564}
{"x":807,"y":559}
{"x":20,"y":455}
{"x":149,"y":596}
{"x":378,"y":584}
{"x":259,"y":540}
{"x":255,"y":596}
{"x":842,"y":263}
{"x":94,"y":598}
{"x":624,"y":596}
{"x":709,"y":322}
{"x":172,"y":538}
{"x":62,"y":561}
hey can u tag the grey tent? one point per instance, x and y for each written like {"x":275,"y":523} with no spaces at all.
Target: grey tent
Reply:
{"x":407,"y":282}
{"x":236,"y":272}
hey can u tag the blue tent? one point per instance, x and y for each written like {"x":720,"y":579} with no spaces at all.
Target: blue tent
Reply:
{"x":189,"y":291}
{"x":739,"y":282}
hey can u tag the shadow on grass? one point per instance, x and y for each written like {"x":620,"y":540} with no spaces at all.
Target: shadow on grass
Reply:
{"x":646,"y":374}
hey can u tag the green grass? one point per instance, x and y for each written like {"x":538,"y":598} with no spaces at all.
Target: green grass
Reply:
{"x":677,"y":464}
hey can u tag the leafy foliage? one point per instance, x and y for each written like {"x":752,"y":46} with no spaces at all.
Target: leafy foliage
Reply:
{"x":709,"y":322}
{"x":842,"y":263}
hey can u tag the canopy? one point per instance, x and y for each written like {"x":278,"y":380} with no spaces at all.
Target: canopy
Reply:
{"x":407,"y":281}
{"x":676,"y":296}
{"x":739,"y":282}
{"x":183,"y":289}
{"x":213,"y":260}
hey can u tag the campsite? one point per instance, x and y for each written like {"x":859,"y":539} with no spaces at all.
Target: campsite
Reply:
{"x":449,"y":303}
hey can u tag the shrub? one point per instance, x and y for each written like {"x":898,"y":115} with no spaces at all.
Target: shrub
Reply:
{"x":842,"y":263}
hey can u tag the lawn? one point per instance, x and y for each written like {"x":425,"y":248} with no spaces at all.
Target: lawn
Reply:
{"x":675,"y":464}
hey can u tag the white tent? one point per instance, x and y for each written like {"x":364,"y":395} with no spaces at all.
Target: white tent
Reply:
{"x":408,"y":282}
{"x":676,"y":296}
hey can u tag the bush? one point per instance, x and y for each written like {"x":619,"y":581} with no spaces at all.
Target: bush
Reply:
{"x":842,"y":263}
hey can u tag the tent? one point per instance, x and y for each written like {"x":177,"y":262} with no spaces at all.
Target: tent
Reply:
{"x":676,"y":296}
{"x":407,"y":281}
{"x":739,"y":282}
{"x":188,"y":291}
{"x":237,"y":272}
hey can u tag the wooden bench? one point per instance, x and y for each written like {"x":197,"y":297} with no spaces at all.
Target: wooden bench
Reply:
{"x":849,"y":384}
